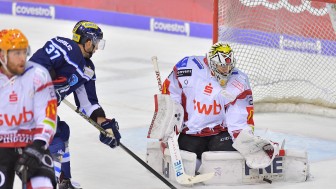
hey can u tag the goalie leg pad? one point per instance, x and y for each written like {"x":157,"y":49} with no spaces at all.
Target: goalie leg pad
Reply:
{"x":296,"y":166}
{"x":162,"y":162}
{"x":230,"y":168}
{"x":154,"y":156}
{"x":188,"y":160}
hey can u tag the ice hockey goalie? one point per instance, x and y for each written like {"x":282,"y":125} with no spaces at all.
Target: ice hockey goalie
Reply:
{"x":229,"y":168}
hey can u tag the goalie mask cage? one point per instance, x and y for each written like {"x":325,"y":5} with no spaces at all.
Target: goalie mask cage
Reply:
{"x":287,"y":48}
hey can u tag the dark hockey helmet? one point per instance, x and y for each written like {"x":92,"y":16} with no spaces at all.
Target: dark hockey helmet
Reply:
{"x":85,"y":31}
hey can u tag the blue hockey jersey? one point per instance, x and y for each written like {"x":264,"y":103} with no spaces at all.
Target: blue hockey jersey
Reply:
{"x":64,"y":58}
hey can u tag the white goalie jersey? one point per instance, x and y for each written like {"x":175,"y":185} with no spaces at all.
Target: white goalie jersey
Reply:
{"x":208,"y":107}
{"x":28,"y":107}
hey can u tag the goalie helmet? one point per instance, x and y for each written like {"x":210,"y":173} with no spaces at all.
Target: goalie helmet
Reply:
{"x":221,"y":61}
{"x":85,"y":31}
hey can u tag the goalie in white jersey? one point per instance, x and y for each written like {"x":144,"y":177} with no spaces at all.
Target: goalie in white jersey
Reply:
{"x":27,"y":116}
{"x":216,"y":98}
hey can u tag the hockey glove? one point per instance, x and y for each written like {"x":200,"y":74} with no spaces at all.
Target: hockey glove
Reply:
{"x":35,"y":158}
{"x":110,"y":126}
{"x":61,"y":86}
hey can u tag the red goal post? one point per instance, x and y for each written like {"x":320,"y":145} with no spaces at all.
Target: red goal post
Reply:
{"x":325,"y":1}
{"x":287,"y":48}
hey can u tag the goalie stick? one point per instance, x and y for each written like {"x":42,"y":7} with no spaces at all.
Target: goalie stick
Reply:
{"x":97,"y":126}
{"x":181,"y":176}
{"x":157,"y":72}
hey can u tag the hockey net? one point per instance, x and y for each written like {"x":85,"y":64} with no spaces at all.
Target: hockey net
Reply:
{"x":287,"y":48}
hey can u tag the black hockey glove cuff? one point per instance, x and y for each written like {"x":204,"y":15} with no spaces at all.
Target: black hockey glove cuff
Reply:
{"x":35,"y":160}
{"x":33,"y":157}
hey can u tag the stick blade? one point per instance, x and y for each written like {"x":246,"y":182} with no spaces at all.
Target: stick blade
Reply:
{"x":189,"y":180}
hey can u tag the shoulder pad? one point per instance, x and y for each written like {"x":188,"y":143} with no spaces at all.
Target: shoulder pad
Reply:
{"x":41,"y":75}
{"x":182,"y":63}
{"x":64,"y":43}
{"x":190,"y":61}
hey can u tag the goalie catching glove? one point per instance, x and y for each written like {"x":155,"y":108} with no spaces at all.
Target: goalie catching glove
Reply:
{"x":112,"y":138}
{"x":258,"y":152}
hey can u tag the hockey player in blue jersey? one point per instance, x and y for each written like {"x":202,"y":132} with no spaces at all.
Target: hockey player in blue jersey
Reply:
{"x":72,"y":71}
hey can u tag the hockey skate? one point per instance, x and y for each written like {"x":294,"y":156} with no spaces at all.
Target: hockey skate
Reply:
{"x":68,"y":184}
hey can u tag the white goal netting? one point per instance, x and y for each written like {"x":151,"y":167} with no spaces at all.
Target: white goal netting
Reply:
{"x":288,"y":50}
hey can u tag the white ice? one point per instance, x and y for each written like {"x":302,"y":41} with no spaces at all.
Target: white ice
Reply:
{"x":126,"y":84}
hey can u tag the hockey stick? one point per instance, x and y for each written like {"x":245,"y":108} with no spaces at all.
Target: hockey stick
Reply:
{"x":157,"y":72}
{"x":22,"y":169}
{"x":181,"y":176}
{"x":24,"y":177}
{"x":95,"y":124}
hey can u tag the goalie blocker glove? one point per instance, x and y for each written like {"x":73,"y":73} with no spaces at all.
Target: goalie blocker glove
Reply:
{"x":110,"y":126}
